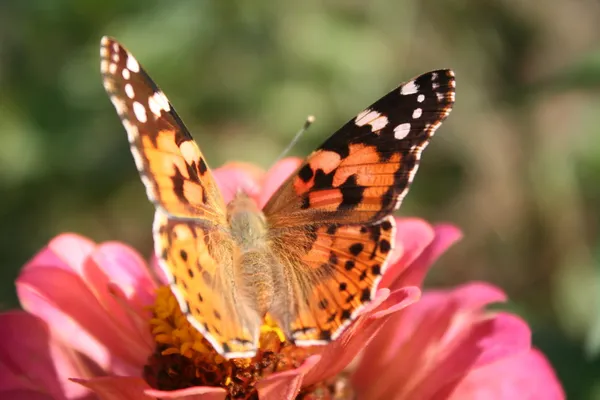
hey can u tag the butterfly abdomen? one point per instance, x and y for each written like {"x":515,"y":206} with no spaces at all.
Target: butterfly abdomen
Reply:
{"x":254,"y":267}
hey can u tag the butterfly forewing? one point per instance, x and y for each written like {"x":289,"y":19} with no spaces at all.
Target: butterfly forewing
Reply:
{"x":362,"y":172}
{"x":172,"y":167}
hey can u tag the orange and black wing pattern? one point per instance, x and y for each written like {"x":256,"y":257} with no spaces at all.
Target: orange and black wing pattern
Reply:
{"x":364,"y":170}
{"x":340,"y":202}
{"x":172,"y":168}
{"x":194,"y":251}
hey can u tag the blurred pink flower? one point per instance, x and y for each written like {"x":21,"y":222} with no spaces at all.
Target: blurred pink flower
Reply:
{"x":85,"y":331}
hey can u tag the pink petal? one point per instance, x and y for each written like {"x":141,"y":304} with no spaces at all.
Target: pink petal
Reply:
{"x":126,"y":268}
{"x":445,"y":236}
{"x":27,"y":395}
{"x":230,"y":179}
{"x":116,"y":387}
{"x":339,"y":353}
{"x":398,"y":300}
{"x":121,"y":281}
{"x":193,"y":393}
{"x":441,"y":320}
{"x":67,"y":251}
{"x":413,"y":235}
{"x":488,"y":341}
{"x":32,"y":365}
{"x":286,"y":385}
{"x":526,"y":376}
{"x":276,"y":176}
{"x":75,"y":316}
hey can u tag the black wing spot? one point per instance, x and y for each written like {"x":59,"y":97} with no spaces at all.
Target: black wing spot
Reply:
{"x":325,"y":335}
{"x":346,"y":315}
{"x":363,"y":275}
{"x":306,"y":173}
{"x":385,"y":246}
{"x":323,"y":180}
{"x":386,"y":225}
{"x":356,"y":248}
{"x":365,"y":295}
{"x":202,"y":168}
{"x":333,"y":258}
{"x":183,"y":254}
{"x":349,"y":265}
{"x":190,"y":272}
{"x":323,"y":304}
{"x":376,"y":269}
{"x":343,"y":286}
{"x":352,"y":193}
{"x":332,"y":229}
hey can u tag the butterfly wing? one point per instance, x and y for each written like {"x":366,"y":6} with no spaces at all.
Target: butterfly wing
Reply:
{"x":340,"y":201}
{"x":172,"y":168}
{"x":195,"y":252}
{"x":362,"y":172}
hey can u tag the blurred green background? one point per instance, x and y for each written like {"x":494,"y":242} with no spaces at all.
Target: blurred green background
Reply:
{"x":516,"y":166}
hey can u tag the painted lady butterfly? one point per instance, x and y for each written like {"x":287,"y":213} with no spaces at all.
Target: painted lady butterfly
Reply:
{"x":313,"y":256}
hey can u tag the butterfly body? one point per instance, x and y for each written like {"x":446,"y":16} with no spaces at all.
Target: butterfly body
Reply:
{"x":312,"y":257}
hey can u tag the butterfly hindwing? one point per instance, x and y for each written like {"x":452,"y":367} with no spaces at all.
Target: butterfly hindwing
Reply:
{"x":363,"y":171}
{"x":197,"y":260}
{"x":339,"y":275}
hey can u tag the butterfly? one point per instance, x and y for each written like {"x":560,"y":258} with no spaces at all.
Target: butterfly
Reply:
{"x":312,"y":257}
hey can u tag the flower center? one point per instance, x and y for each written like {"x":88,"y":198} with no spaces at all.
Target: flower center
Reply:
{"x":183,"y":358}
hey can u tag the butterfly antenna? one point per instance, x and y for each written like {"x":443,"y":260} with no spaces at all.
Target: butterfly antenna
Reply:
{"x":309,"y":121}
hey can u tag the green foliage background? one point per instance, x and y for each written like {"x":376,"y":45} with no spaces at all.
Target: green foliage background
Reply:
{"x":516,"y":166}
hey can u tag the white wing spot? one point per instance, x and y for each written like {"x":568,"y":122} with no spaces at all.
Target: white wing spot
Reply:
{"x":409,"y":88}
{"x":104,"y":66}
{"x":129,"y":90}
{"x":154,"y":106}
{"x":132,"y":64}
{"x":417,"y":113}
{"x":379,"y":123}
{"x":373,"y":118}
{"x":401,"y":131}
{"x":360,"y":116}
{"x":434,"y":76}
{"x":421,"y":98}
{"x":115,"y":47}
{"x":115,"y":57}
{"x":140,"y":112}
{"x":189,"y":151}
{"x":435,"y":85}
{"x":162,"y":101}
{"x":112,"y":68}
{"x":440,"y":96}
{"x":126,"y":74}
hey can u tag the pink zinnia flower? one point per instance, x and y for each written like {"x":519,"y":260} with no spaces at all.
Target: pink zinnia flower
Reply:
{"x":98,"y":324}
